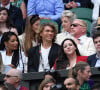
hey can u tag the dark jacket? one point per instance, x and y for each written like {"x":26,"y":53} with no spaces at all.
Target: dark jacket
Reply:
{"x":34,"y":57}
{"x":92,"y":60}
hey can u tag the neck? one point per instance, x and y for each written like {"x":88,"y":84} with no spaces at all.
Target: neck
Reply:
{"x":72,"y":56}
{"x":81,"y":81}
{"x":98,"y":53}
{"x":9,"y":52}
{"x":46,"y":44}
{"x":2,"y":25}
{"x":72,"y":59}
{"x":16,"y":85}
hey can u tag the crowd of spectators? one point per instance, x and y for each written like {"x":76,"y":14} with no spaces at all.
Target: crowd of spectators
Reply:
{"x":27,"y":46}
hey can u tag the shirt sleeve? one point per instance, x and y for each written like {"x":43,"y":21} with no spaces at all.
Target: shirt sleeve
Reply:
{"x":59,"y":7}
{"x":31,"y":7}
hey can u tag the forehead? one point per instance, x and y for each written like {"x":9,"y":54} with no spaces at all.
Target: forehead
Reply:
{"x":68,"y":41}
{"x":69,"y":80}
{"x":77,"y":21}
{"x":97,"y":38}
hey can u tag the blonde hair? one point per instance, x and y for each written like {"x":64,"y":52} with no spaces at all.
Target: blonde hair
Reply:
{"x":71,"y":16}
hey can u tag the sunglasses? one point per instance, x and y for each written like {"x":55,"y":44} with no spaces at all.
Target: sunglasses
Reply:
{"x":8,"y":76}
{"x":76,"y":24}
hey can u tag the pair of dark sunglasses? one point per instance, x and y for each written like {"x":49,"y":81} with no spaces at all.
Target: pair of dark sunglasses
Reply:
{"x":76,"y":24}
{"x":8,"y":76}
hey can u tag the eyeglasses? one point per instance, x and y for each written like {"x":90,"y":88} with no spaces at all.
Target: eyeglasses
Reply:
{"x":76,"y":24}
{"x":8,"y":76}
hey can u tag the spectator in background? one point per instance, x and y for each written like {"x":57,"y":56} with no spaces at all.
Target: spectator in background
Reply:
{"x":71,"y":84}
{"x":5,"y":22}
{"x":82,"y":73}
{"x":46,"y":9}
{"x":94,"y":60}
{"x":29,"y":38}
{"x":12,"y":56}
{"x":85,"y":44}
{"x":43,"y":56}
{"x":14,"y":77}
{"x":46,"y":84}
{"x":69,"y":4}
{"x":68,"y":56}
{"x":20,"y":4}
{"x":67,"y":18}
{"x":15,"y":15}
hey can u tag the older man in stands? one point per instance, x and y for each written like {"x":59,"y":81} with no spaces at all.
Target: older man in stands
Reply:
{"x":94,"y":60}
{"x":13,"y":77}
{"x":15,"y":15}
{"x":85,"y":44}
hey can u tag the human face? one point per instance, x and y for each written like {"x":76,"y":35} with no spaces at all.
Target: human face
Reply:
{"x":12,"y":44}
{"x":77,"y":28}
{"x":97,"y":44}
{"x":69,"y":47}
{"x":85,"y":75}
{"x":11,"y":78}
{"x":70,"y":84}
{"x":47,"y":34}
{"x":5,"y":2}
{"x":48,"y":85}
{"x":3,"y":16}
{"x":36,"y":25}
{"x":66,"y":23}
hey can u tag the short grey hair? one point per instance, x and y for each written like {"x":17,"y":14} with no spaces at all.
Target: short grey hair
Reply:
{"x":71,"y":16}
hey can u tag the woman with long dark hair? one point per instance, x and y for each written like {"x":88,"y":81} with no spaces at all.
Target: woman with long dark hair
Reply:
{"x":11,"y":52}
{"x":69,"y":55}
{"x":5,"y":22}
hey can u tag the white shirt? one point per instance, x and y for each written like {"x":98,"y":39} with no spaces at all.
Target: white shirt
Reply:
{"x":95,"y":9}
{"x":7,"y":60}
{"x":98,"y":61}
{"x":44,"y":62}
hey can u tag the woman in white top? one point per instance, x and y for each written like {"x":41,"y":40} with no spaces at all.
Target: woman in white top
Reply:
{"x":11,"y":52}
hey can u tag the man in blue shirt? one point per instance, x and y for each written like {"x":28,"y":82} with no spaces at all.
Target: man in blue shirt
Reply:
{"x":46,"y":9}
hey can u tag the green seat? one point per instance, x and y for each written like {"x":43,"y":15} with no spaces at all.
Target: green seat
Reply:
{"x":47,"y":20}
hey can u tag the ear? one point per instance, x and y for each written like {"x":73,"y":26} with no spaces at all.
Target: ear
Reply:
{"x":79,"y":72}
{"x":18,"y":79}
{"x":5,"y":44}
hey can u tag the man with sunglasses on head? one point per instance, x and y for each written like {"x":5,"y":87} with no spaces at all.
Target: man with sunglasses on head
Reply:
{"x":13,"y":77}
{"x":84,"y":43}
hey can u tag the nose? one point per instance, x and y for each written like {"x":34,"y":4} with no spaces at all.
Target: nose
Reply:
{"x":5,"y":78}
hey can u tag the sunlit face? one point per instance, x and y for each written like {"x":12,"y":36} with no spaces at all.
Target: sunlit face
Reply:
{"x":70,"y":84}
{"x":47,"y":34}
{"x":97,"y":44}
{"x":85,"y":75}
{"x":11,"y":78}
{"x":48,"y":85}
{"x":77,"y":28}
{"x":12,"y":44}
{"x":66,"y":23}
{"x":36,"y":25}
{"x":69,"y":47}
{"x":3,"y":16}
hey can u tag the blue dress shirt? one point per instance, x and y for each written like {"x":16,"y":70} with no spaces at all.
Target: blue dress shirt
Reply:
{"x":46,"y":8}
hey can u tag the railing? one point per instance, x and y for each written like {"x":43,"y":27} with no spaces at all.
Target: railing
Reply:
{"x":33,"y":80}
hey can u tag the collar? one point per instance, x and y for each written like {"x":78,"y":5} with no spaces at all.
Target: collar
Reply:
{"x":7,"y":6}
{"x":18,"y":88}
{"x":97,"y":56}
{"x":82,"y":37}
